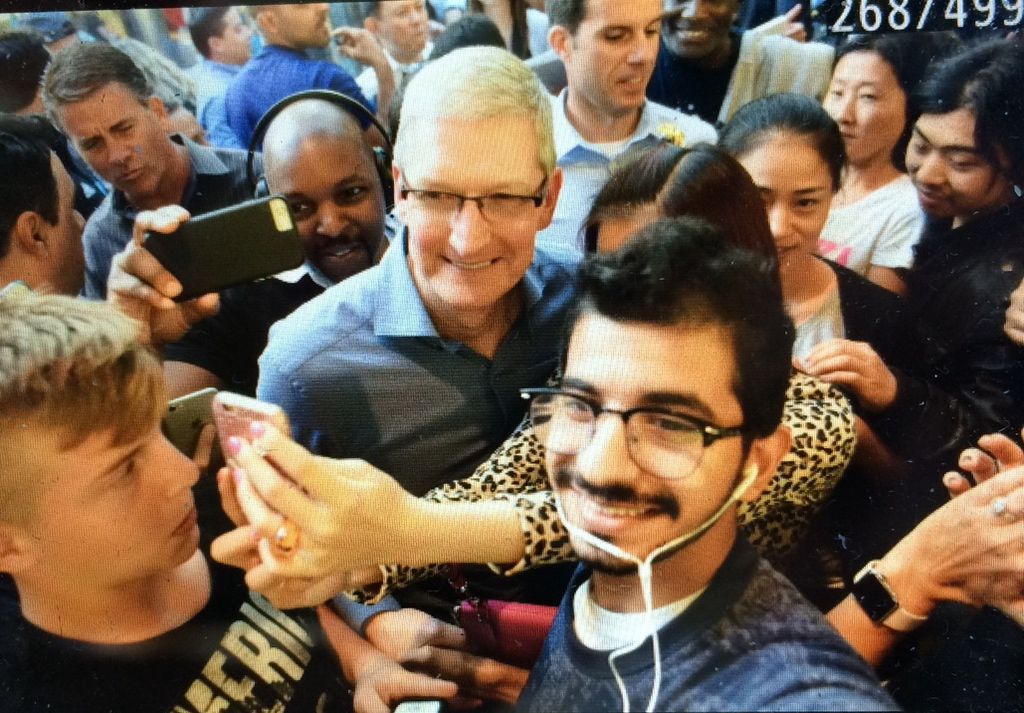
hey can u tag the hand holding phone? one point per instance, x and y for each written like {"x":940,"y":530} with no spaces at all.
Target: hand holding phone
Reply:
{"x":140,"y":287}
{"x":186,"y":417}
{"x":234,"y":415}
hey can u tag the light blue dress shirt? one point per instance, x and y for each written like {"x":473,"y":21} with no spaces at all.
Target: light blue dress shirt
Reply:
{"x":586,"y":166}
{"x":212,"y":80}
{"x":363,"y":373}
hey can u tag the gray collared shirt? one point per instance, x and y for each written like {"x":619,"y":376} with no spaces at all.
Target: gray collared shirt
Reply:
{"x":363,"y":373}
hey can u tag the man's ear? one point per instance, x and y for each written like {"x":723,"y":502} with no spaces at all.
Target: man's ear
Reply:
{"x":559,"y":39}
{"x":764,"y":455}
{"x":157,"y":106}
{"x":266,"y":21}
{"x":16,"y":553}
{"x":554,"y":188}
{"x":372,"y":24}
{"x":396,"y":176}
{"x":29,"y":234}
{"x":215,"y":44}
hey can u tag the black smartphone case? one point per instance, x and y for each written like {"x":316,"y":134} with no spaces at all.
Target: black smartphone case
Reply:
{"x":227,"y":247}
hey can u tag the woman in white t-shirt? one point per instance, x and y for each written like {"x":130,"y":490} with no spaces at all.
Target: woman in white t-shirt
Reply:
{"x":875,"y":218}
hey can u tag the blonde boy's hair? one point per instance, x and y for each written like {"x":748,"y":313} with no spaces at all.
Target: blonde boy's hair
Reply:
{"x":73,"y":367}
{"x":475,"y":83}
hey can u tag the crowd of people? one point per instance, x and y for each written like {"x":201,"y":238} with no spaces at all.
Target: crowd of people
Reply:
{"x":640,"y":358}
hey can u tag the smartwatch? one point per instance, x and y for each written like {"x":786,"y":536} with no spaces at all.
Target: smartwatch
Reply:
{"x":879,"y":601}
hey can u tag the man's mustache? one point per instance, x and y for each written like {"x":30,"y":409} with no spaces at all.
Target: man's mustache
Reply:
{"x":616,"y":493}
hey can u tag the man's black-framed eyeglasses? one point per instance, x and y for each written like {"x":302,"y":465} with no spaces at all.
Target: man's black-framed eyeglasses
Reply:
{"x":493,"y":206}
{"x":660,"y":441}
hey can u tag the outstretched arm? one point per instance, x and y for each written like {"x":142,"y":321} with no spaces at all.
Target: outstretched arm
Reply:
{"x":342,"y":507}
{"x":970,"y":550}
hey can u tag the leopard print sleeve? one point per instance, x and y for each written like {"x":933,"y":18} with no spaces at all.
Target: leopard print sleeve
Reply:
{"x":515,"y":473}
{"x":823,"y":427}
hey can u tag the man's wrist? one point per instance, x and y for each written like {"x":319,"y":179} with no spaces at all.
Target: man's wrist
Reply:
{"x":889,"y":598}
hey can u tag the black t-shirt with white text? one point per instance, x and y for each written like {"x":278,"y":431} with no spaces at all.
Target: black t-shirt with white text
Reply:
{"x":239,"y":653}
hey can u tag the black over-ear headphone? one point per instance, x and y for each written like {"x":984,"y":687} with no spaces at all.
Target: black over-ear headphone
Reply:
{"x":382,"y":156}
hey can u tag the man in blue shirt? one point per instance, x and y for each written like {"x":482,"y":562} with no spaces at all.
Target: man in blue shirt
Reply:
{"x":648,"y":450}
{"x":608,"y":49}
{"x":282,"y":67}
{"x":415,"y":365}
{"x":223,"y":38}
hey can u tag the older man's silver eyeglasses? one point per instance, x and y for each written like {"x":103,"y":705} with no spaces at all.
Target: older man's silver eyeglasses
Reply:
{"x":494,"y":207}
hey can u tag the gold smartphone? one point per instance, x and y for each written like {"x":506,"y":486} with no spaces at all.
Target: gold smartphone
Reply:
{"x":234,"y":415}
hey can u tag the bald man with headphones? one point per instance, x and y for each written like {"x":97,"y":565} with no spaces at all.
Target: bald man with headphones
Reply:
{"x":316,"y":156}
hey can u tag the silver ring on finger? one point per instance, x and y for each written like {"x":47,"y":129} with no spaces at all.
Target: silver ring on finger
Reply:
{"x":1001,"y":508}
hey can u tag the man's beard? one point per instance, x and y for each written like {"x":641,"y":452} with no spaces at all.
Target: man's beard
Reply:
{"x":616,"y":495}
{"x":622,"y":494}
{"x":616,"y":567}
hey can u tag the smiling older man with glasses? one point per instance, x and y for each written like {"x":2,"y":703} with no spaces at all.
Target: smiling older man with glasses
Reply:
{"x":415,"y":365}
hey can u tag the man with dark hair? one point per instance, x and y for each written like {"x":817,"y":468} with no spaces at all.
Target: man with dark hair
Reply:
{"x":707,"y":68}
{"x":282,"y":67}
{"x":609,"y":49}
{"x":649,"y":450}
{"x":569,"y":13}
{"x":23,"y":58}
{"x":103,"y":102}
{"x":223,"y":39}
{"x":468,"y":31}
{"x":402,"y":27}
{"x":40,"y":230}
{"x":89,"y":188}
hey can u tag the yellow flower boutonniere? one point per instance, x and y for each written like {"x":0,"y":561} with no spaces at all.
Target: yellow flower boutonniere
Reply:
{"x":672,"y":133}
